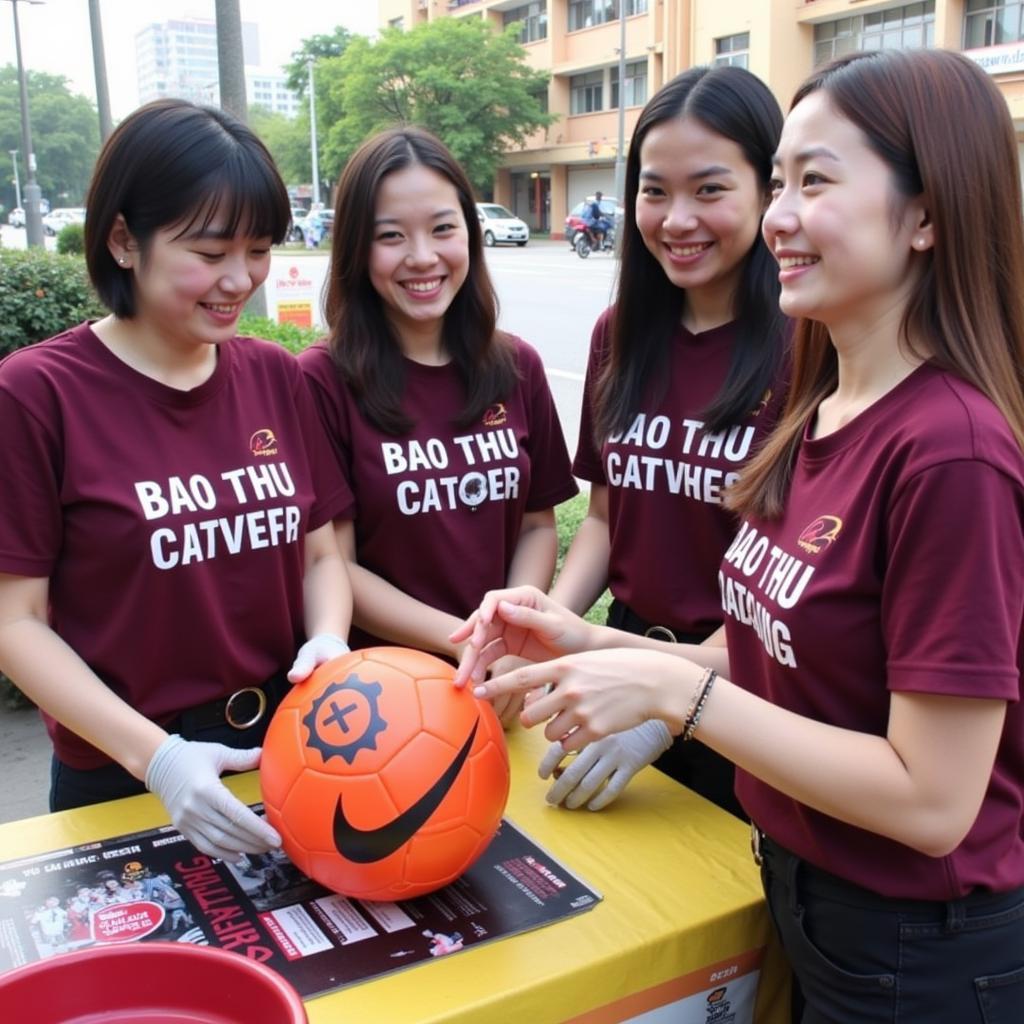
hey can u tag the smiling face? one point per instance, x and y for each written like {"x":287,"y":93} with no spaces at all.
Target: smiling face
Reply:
{"x":419,"y":257}
{"x":698,"y":209}
{"x":190,"y":290}
{"x":842,"y":234}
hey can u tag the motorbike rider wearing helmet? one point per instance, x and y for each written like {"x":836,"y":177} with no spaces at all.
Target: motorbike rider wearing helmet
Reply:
{"x":596,"y":223}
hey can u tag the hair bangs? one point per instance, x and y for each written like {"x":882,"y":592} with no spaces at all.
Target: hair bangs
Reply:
{"x":240,"y":197}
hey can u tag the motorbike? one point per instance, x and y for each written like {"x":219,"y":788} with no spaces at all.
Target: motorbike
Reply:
{"x":586,"y":242}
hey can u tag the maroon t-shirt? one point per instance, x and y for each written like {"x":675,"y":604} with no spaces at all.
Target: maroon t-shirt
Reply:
{"x":439,"y":510}
{"x":896,"y":566}
{"x":665,"y":476}
{"x":170,"y":523}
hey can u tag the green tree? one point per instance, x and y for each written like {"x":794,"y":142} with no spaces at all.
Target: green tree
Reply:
{"x":65,"y":136}
{"x":459,"y":78}
{"x":317,"y":48}
{"x":288,"y":141}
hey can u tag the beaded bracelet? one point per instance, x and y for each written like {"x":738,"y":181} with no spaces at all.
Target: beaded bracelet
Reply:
{"x":692,"y":706}
{"x":693,"y":720}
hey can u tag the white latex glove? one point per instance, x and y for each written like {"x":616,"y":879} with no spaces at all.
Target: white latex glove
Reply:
{"x":186,"y":777}
{"x":315,"y":651}
{"x":612,"y":762}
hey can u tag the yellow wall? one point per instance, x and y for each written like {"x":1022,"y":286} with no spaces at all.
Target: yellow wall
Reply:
{"x":673,"y":35}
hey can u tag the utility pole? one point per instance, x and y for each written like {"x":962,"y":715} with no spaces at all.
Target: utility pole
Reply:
{"x":620,"y":157}
{"x":231,"y":68}
{"x":99,"y":64}
{"x":33,"y":217}
{"x":312,"y":136}
{"x":231,"y":60}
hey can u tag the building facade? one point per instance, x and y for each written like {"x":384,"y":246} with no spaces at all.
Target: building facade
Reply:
{"x":179,"y":58}
{"x":268,"y":88}
{"x":781,"y":41}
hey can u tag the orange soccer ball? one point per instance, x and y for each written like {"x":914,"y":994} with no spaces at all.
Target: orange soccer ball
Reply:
{"x":384,"y":781}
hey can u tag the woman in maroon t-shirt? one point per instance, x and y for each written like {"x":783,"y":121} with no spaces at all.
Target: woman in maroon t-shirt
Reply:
{"x":684,"y":382}
{"x":165,"y":533}
{"x":874,"y":595}
{"x":444,"y":425}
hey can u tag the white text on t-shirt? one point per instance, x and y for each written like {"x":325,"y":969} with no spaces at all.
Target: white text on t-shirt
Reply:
{"x":646,"y":472}
{"x":198,"y":541}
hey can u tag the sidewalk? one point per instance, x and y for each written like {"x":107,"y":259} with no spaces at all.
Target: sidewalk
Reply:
{"x":24,"y":764}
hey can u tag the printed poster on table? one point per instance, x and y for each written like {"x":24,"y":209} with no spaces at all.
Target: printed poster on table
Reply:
{"x":155,"y":885}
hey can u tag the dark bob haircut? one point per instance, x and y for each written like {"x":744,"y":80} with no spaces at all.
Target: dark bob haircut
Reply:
{"x":175,"y":164}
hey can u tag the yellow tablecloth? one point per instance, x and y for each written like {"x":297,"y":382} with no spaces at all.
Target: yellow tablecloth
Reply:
{"x":681,"y":898}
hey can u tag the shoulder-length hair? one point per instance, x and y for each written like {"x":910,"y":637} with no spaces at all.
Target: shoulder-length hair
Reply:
{"x":173,"y":164}
{"x":362,"y":342}
{"x":944,"y":130}
{"x":738,"y":106}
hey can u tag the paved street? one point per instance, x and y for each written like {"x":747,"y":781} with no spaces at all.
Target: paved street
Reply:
{"x":551,"y":297}
{"x":14,"y":238}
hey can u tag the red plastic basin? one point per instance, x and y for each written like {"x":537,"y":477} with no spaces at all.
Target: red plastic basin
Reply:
{"x":149,"y":983}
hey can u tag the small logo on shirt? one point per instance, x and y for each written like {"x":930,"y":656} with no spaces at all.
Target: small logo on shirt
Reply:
{"x":820,"y":534}
{"x":263,"y":442}
{"x":496,"y":415}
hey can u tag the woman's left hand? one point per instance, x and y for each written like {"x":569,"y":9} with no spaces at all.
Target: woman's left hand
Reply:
{"x":597,"y":693}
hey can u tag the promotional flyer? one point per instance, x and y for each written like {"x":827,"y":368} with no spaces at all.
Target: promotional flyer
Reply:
{"x":155,"y":885}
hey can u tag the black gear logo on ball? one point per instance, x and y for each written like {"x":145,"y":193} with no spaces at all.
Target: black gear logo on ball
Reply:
{"x":359,"y":695}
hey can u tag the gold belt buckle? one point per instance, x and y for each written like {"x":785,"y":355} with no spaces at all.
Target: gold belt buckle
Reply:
{"x":660,"y":633}
{"x":755,"y":844}
{"x":261,"y":707}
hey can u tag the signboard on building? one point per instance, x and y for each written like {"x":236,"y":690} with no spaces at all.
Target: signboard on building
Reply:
{"x":999,"y":60}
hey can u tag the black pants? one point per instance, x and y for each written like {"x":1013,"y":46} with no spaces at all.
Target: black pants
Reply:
{"x":862,"y":958}
{"x":75,"y":787}
{"x":695,"y":766}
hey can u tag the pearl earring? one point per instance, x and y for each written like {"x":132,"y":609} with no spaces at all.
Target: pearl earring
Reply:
{"x":122,"y":261}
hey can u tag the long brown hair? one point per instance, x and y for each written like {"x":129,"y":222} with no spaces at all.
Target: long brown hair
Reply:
{"x":361,"y":340}
{"x":944,"y":130}
{"x":737,"y":105}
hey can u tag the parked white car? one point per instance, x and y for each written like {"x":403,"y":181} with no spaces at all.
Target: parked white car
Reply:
{"x":60,"y":217}
{"x":501,"y":225}
{"x":16,"y":218}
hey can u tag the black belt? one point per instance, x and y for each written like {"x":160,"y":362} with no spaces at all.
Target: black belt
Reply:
{"x":241,"y":710}
{"x":621,"y":616}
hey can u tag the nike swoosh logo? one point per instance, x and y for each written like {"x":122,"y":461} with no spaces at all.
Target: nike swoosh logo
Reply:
{"x":364,"y":846}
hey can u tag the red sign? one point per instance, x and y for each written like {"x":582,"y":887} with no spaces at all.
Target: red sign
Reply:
{"x":126,"y":922}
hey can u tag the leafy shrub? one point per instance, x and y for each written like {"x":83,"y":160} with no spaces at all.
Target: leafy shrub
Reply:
{"x":290,"y":336}
{"x":71,"y":240}
{"x":11,"y":697}
{"x":41,"y":294}
{"x":568,"y":517}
